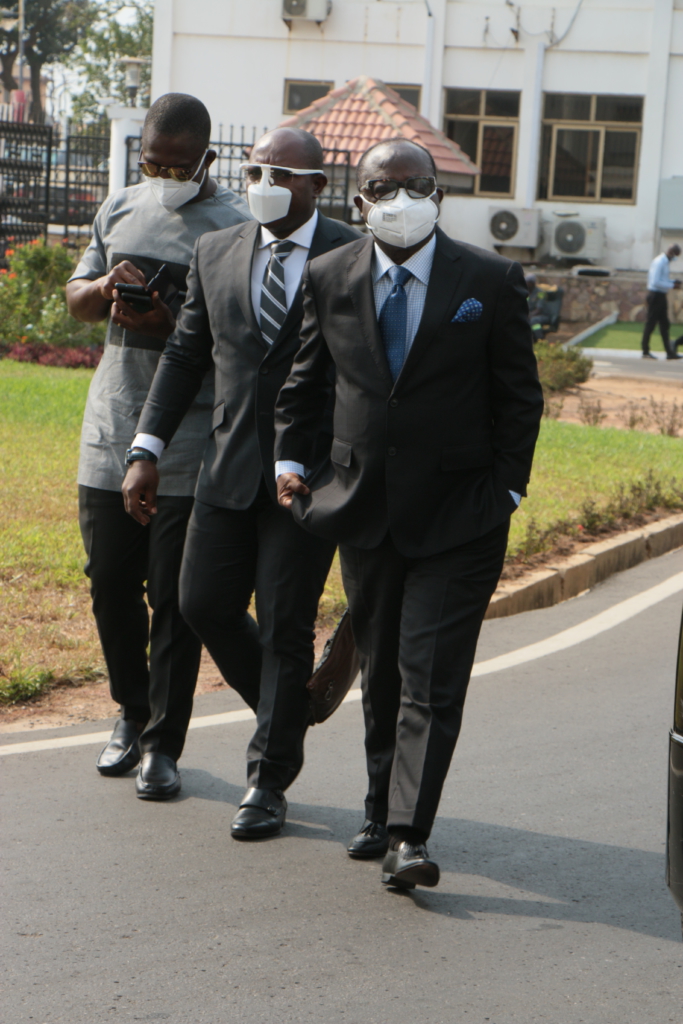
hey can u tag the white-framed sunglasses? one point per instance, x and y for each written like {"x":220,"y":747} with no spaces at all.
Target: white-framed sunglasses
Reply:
{"x":277,"y":175}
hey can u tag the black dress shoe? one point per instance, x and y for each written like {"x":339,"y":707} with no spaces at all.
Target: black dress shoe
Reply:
{"x":261,"y":814}
{"x":157,"y":777}
{"x":371,"y":841}
{"x":409,"y":865}
{"x":122,"y":752}
{"x":674,"y":355}
{"x":648,"y":355}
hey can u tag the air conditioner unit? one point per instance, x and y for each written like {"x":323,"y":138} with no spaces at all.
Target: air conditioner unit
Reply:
{"x":510,"y":226}
{"x":306,"y":10}
{"x":578,"y":237}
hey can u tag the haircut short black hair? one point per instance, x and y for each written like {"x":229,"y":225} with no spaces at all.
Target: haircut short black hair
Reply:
{"x":396,"y":142}
{"x":177,"y":113}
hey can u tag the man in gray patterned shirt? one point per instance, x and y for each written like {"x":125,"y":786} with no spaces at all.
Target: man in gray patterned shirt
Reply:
{"x":137,"y":231}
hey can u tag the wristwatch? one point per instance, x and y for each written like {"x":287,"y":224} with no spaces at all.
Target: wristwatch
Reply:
{"x":140,"y":455}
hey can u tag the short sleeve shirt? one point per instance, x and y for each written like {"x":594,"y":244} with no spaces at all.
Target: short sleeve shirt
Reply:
{"x":132,"y":225}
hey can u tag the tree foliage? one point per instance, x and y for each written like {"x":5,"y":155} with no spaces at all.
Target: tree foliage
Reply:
{"x":123,"y":28}
{"x":52,"y":30}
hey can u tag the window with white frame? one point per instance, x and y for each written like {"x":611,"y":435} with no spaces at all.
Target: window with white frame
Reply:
{"x":589,"y":147}
{"x":484,"y":124}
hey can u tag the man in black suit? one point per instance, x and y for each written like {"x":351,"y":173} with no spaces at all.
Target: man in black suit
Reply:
{"x":243,"y":314}
{"x":437,"y":412}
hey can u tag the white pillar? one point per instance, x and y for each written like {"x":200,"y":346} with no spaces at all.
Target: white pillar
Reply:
{"x":125,"y":121}
{"x":162,"y":48}
{"x":432,"y":84}
{"x":654,"y":119}
{"x":530,"y":114}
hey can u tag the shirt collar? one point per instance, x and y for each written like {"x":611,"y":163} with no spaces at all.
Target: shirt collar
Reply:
{"x":303,"y":236}
{"x":419,"y":264}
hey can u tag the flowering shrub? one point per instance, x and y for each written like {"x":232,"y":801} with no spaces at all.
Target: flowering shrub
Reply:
{"x":33,"y":300}
{"x":55,"y":355}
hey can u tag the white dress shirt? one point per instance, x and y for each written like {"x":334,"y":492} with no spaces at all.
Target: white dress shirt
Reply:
{"x":658,"y":279}
{"x":294,"y":268}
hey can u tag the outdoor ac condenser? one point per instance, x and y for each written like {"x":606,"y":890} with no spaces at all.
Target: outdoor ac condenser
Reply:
{"x":307,"y":10}
{"x":578,"y":237}
{"x":513,"y":226}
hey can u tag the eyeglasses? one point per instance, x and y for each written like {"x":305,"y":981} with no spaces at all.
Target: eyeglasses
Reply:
{"x":387,"y":188}
{"x":277,"y":175}
{"x":151,"y":170}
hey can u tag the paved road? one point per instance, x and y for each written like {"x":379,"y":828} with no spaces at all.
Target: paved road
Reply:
{"x":630,"y":363}
{"x":552,"y":906}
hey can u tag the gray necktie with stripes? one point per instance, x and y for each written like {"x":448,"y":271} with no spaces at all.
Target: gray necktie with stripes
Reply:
{"x":273,"y":295}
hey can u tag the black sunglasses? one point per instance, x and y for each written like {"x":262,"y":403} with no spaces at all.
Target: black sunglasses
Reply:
{"x":387,"y":188}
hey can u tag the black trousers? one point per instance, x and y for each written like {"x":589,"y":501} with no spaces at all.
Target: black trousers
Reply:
{"x":416,"y":622}
{"x":230,"y":555}
{"x":122,"y":556}
{"x":657,"y":316}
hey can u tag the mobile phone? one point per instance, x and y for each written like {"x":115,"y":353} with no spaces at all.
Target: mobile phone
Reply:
{"x":136,"y":295}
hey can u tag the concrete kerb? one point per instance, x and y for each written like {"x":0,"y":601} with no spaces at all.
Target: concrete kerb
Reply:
{"x":569,"y":577}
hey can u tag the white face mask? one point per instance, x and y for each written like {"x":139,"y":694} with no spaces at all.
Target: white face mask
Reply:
{"x":402,"y":221}
{"x":172,"y":194}
{"x":268,"y":202}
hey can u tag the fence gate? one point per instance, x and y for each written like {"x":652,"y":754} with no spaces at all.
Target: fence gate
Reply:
{"x":25,"y":166}
{"x":231,"y":152}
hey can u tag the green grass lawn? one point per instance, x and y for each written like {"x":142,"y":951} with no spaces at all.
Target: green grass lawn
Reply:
{"x":41,"y":556}
{"x":628,"y":336}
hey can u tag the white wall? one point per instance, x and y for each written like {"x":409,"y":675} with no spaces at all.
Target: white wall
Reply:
{"x":236,"y":54}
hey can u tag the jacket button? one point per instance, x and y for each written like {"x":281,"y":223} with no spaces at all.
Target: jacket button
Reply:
{"x":391,"y":451}
{"x":264,"y":370}
{"x":393,"y":403}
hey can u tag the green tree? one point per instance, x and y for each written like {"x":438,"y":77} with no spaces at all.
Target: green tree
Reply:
{"x":123,"y":28}
{"x":52,"y":30}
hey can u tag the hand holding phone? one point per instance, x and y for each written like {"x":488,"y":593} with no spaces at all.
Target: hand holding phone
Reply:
{"x":139,"y":308}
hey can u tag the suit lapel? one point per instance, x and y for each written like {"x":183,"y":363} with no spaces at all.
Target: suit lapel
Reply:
{"x":242,"y":260}
{"x":441,"y":297}
{"x":363,"y":298}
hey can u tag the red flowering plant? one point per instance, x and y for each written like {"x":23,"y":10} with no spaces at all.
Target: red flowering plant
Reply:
{"x":33,"y":303}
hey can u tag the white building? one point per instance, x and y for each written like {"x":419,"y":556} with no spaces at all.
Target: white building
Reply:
{"x":570,"y":108}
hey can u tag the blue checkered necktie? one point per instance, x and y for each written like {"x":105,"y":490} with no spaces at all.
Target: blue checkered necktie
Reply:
{"x":273,"y":295}
{"x":393,"y":320}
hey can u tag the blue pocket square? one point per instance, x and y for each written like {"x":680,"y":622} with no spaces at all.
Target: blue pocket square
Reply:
{"x":470,"y":310}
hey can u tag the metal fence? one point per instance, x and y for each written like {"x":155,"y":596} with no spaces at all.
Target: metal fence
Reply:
{"x":47,"y":180}
{"x":85,"y":180}
{"x":233,"y":151}
{"x":25,"y":171}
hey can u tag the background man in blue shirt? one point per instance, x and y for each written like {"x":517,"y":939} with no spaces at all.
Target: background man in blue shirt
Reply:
{"x":658,"y":285}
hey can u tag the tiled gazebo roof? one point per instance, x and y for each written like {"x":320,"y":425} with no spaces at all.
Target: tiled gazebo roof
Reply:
{"x":365,"y":111}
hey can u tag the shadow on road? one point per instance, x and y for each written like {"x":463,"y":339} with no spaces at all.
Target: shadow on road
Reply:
{"x":576,"y":880}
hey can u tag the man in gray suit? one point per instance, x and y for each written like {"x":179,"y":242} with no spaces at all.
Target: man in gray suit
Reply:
{"x":242,"y":315}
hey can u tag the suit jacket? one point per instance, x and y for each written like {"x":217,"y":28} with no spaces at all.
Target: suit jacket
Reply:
{"x":217,"y":325}
{"x":432,"y":457}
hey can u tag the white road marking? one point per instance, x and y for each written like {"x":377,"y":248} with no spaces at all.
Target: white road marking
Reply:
{"x":614,"y":616}
{"x":608,"y":619}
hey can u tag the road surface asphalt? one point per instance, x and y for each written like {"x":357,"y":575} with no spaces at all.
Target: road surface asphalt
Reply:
{"x":552,"y":906}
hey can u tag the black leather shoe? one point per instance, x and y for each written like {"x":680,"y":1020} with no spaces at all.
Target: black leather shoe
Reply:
{"x":408,"y":866}
{"x":123,"y":750}
{"x":648,"y":355}
{"x":157,"y":777}
{"x":371,"y":841}
{"x":261,"y":814}
{"x":674,"y":355}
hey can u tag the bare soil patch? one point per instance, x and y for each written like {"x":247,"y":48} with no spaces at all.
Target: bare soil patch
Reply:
{"x":624,"y":402}
{"x":70,"y":702}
